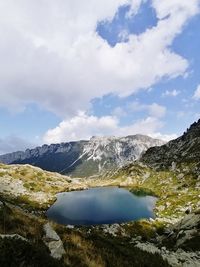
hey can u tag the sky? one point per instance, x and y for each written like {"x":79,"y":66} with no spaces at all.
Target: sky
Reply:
{"x":70,"y":70}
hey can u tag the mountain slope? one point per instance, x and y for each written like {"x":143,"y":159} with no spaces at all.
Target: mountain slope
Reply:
{"x":171,"y":172}
{"x":84,"y":158}
{"x":28,"y":238}
{"x":185,"y":149}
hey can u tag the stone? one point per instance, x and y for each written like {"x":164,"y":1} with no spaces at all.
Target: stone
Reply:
{"x":185,"y":236}
{"x":14,"y":236}
{"x":173,"y":167}
{"x":69,"y":226}
{"x":188,"y":210}
{"x":53,"y":242}
{"x":189,"y":221}
{"x":56,"y":248}
{"x":161,"y":208}
{"x":180,"y":258}
{"x":112,"y":229}
{"x":50,"y":233}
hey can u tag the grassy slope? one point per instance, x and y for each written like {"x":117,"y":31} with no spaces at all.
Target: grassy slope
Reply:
{"x":176,"y":189}
{"x":91,"y":248}
{"x":94,"y":247}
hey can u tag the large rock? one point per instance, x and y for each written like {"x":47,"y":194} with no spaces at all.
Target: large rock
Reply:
{"x":185,"y":233}
{"x":190,"y":221}
{"x":53,"y":242}
{"x":178,"y":258}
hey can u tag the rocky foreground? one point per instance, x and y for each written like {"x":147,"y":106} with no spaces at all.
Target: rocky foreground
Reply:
{"x":28,"y":239}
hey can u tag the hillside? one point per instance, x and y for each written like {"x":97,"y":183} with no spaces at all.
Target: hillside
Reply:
{"x":185,"y":149}
{"x":171,"y":239}
{"x":167,"y":171}
{"x":28,"y":238}
{"x":84,"y":158}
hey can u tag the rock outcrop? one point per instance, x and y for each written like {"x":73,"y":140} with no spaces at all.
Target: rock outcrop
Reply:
{"x":185,"y":149}
{"x":185,"y":234}
{"x":53,"y":242}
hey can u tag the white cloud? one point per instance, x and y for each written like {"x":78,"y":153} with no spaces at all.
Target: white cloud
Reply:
{"x":172,"y":7}
{"x":172,"y":93}
{"x":164,"y":137}
{"x":119,"y":112}
{"x":51,"y":54}
{"x":154,"y":110}
{"x":84,"y":126}
{"x":196,"y":95}
{"x":81,"y":127}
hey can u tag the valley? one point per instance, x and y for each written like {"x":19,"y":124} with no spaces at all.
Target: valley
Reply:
{"x":85,"y":158}
{"x":171,"y":239}
{"x":100,"y":133}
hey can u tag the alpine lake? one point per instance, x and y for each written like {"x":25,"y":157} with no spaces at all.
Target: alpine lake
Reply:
{"x":102,"y":205}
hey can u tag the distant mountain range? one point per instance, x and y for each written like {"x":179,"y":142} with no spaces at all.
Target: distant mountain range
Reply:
{"x":85,"y":158}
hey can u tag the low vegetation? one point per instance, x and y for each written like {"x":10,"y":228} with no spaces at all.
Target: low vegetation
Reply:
{"x":84,"y":246}
{"x":28,"y":191}
{"x":177,"y":188}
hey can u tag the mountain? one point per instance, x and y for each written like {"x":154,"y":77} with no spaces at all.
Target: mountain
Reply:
{"x":171,"y":172}
{"x":185,"y":149}
{"x":84,"y":158}
{"x":171,"y":239}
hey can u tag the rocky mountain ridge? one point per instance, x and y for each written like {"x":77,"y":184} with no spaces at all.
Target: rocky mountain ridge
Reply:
{"x":84,"y":158}
{"x":171,"y":239}
{"x":185,"y":149}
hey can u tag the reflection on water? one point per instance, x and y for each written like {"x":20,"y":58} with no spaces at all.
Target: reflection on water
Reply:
{"x":104,"y":205}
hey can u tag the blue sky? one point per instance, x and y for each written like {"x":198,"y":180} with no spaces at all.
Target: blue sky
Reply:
{"x":71,"y":71}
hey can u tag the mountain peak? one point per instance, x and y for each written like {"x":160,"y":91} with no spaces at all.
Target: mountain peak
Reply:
{"x":85,"y":158}
{"x":193,"y":131}
{"x":183,"y":149}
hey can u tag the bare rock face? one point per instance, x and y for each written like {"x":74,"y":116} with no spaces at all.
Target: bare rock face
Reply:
{"x":178,"y":258}
{"x":190,"y":221}
{"x":53,"y":242}
{"x":85,"y":158}
{"x":180,"y":246}
{"x":186,"y":148}
{"x":185,"y":233}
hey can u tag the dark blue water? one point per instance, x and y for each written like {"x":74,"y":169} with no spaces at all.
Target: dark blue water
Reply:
{"x":104,"y":205}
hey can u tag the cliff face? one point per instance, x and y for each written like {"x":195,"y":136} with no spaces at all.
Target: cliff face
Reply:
{"x":185,"y":149}
{"x":84,"y":158}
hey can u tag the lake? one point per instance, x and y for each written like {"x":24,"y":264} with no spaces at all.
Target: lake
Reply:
{"x":105,"y":205}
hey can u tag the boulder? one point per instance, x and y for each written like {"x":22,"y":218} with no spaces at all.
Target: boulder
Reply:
{"x":51,"y":235}
{"x":184,"y":236}
{"x":190,"y":221}
{"x":53,"y":242}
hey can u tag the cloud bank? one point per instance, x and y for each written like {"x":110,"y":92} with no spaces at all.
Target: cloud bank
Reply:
{"x":52,"y":55}
{"x":84,"y":126}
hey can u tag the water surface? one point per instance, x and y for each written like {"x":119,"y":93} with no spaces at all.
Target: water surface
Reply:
{"x":104,"y":205}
